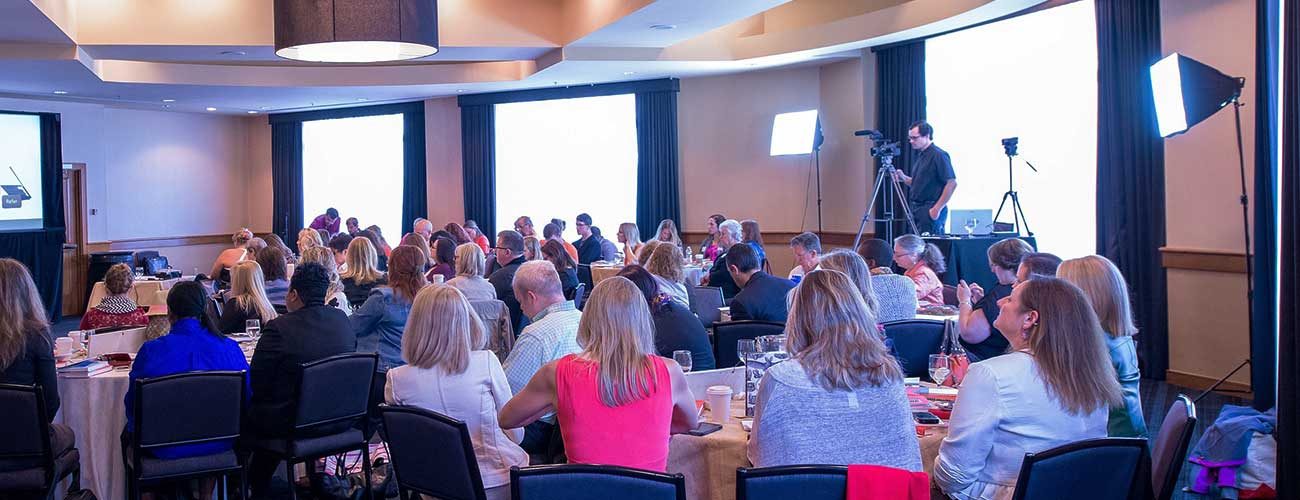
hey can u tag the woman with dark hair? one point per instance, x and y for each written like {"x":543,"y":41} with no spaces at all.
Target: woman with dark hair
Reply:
{"x":749,"y":233}
{"x":380,"y":242}
{"x":676,"y":327}
{"x":380,"y":321}
{"x":275,"y":273}
{"x":458,"y":233}
{"x":977,"y":310}
{"x":381,"y":248}
{"x":710,"y":245}
{"x":273,"y":240}
{"x":26,"y":346}
{"x":553,"y":251}
{"x":195,"y":343}
{"x":444,"y":258}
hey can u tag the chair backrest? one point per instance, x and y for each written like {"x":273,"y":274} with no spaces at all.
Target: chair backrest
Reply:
{"x":728,"y":333}
{"x":1089,"y":469}
{"x":334,"y":389}
{"x":594,"y":482}
{"x":805,"y":482}
{"x":432,"y":453}
{"x":188,"y":408}
{"x":141,"y":258}
{"x":1170,"y":447}
{"x":705,"y":301}
{"x":25,"y":439}
{"x":496,"y":318}
{"x":914,"y":340}
{"x":579,"y":296}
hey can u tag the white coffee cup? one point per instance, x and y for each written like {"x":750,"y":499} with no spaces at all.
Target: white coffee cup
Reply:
{"x":719,"y":399}
{"x":63,"y":345}
{"x":438,"y":279}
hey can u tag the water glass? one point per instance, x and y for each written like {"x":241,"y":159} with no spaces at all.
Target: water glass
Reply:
{"x":940,"y":368}
{"x":745,"y":347}
{"x":684,"y":359}
{"x":253,"y":327}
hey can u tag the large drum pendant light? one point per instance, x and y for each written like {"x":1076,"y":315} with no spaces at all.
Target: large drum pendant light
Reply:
{"x":355,"y":31}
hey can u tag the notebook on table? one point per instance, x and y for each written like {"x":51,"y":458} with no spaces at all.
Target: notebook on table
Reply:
{"x":126,"y":340}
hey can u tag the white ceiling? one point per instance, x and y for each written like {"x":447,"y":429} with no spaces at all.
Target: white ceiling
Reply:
{"x":223,"y":57}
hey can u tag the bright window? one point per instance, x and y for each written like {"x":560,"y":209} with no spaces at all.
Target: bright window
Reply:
{"x":562,"y":157}
{"x":1032,"y":77}
{"x":355,"y":166}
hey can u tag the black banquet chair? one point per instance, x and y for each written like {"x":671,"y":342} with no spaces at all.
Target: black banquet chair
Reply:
{"x":728,"y":333}
{"x":594,"y":482}
{"x":914,"y":340}
{"x":432,"y":454}
{"x":1170,"y":447}
{"x":186,"y":408}
{"x":805,"y":482}
{"x":1085,"y":470}
{"x":30,"y":464}
{"x":705,"y":301}
{"x":329,"y":415}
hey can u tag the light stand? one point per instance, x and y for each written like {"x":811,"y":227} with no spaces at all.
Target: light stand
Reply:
{"x":818,"y":139}
{"x":886,"y":152}
{"x":1017,"y":213}
{"x":1245,"y":226}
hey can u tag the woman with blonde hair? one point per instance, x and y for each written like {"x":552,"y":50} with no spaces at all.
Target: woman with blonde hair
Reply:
{"x":26,"y":345}
{"x":334,"y":295}
{"x":836,"y":357}
{"x":853,"y":266}
{"x":667,"y":232}
{"x":308,"y":238}
{"x":1055,"y":387}
{"x":630,"y":237}
{"x":117,"y":309}
{"x":1107,"y":292}
{"x":246,"y":299}
{"x":665,"y":265}
{"x":532,"y":248}
{"x":362,"y":273}
{"x":273,"y":240}
{"x":228,"y":257}
{"x":616,"y":401}
{"x":448,"y":371}
{"x":417,"y":241}
{"x":470,"y":264}
{"x":380,"y":320}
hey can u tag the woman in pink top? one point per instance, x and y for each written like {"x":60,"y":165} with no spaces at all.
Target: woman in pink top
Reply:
{"x":921,"y":261}
{"x":617,"y":402}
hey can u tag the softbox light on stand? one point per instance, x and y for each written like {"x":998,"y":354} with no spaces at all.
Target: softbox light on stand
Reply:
{"x":1188,"y":91}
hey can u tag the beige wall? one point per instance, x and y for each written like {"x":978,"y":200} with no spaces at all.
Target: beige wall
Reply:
{"x":1207,"y":310}
{"x":443,"y":162}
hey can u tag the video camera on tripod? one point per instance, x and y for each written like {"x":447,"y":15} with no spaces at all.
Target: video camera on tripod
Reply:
{"x":887,"y":193}
{"x":886,"y":150}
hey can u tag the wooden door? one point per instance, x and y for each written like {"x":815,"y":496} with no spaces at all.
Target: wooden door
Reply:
{"x":74,"y":246}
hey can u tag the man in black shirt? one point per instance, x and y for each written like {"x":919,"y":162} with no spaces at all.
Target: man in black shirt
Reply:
{"x":588,"y":248}
{"x":933,"y":180}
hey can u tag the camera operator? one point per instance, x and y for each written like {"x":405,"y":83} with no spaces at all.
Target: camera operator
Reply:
{"x":933,"y":180}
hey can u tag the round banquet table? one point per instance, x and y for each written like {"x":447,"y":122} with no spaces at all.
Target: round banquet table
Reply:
{"x":710,"y":462}
{"x":93,"y":408}
{"x":693,"y":274}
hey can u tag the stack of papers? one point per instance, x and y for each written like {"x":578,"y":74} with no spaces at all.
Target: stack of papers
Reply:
{"x":84,"y":369}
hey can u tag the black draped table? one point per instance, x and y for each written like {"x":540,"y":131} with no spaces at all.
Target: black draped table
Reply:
{"x":968,"y":258}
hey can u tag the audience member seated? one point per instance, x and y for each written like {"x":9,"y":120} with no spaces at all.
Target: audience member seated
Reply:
{"x":588,"y":247}
{"x":469,"y":274}
{"x":308,"y":238}
{"x":117,"y":309}
{"x":554,"y":253}
{"x":273,"y":240}
{"x":668,"y":233}
{"x":896,"y":293}
{"x":811,"y":409}
{"x":532,"y":248}
{"x":415,"y":240}
{"x":750,"y":234}
{"x":852,"y":265}
{"x":1037,"y":265}
{"x":676,"y":327}
{"x":1056,"y":387}
{"x":328,"y":222}
{"x":193,"y":344}
{"x":362,"y":273}
{"x":617,"y":400}
{"x":608,"y":250}
{"x":310,"y":331}
{"x":976,"y":320}
{"x":1107,"y":292}
{"x":709,"y":247}
{"x":553,"y":231}
{"x":648,"y":248}
{"x":334,"y":297}
{"x":379,"y":322}
{"x":228,"y":257}
{"x":339,"y":246}
{"x":422,"y":227}
{"x":471,"y":228}
{"x":807,"y":248}
{"x":444,"y":258}
{"x":552,"y":333}
{"x":509,"y":256}
{"x":246,"y":299}
{"x":762,"y":296}
{"x":353,"y":226}
{"x":256,"y":245}
{"x":449,"y":372}
{"x":664,"y":263}
{"x":27,"y":345}
{"x":630,"y":237}
{"x":381,"y":244}
{"x":921,"y":261}
{"x":458,"y":233}
{"x":524,"y":226}
{"x":728,"y":236}
{"x":275,"y":271}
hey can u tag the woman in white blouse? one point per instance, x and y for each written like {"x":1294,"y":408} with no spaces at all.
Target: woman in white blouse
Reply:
{"x":1055,"y":387}
{"x":448,"y":372}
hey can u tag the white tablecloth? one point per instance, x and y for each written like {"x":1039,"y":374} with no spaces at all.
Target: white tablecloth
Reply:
{"x":93,"y":408}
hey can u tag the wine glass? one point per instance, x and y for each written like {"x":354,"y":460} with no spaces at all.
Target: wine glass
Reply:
{"x":940,"y":368}
{"x":253,"y":327}
{"x":684,"y":359}
{"x":971,"y":224}
{"x":744,"y":348}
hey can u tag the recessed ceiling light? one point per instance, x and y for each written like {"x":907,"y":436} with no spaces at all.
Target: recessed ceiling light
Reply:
{"x":629,"y":73}
{"x":167,"y":106}
{"x":460,"y":91}
{"x":169,"y":100}
{"x":251,"y":112}
{"x":233,"y":53}
{"x":663,"y":27}
{"x":60,"y":92}
{"x":264,"y":107}
{"x":362,"y":99}
{"x":210,"y":108}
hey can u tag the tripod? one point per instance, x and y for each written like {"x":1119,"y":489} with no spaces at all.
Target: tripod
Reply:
{"x":1017,"y":213}
{"x":886,"y":171}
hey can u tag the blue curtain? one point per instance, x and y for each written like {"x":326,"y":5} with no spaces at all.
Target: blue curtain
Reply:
{"x":41,"y":250}
{"x":657,"y":159}
{"x":1263,"y":345}
{"x":286,"y":180}
{"x":900,"y":101}
{"x":478,"y":162}
{"x":1130,"y":167}
{"x":1288,"y":370}
{"x":415,"y":189}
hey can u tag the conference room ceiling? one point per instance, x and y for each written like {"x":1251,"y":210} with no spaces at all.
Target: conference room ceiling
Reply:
{"x":197,"y":54}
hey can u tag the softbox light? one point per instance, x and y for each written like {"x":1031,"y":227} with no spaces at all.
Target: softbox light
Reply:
{"x":1187,"y":91}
